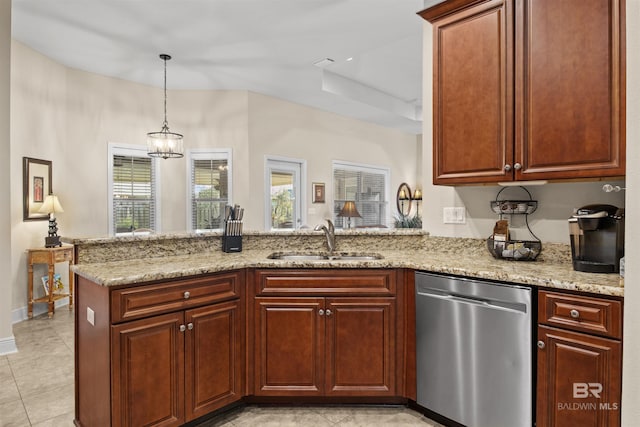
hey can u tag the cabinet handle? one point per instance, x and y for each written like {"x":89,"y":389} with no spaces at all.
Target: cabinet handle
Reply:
{"x":507,"y":167}
{"x":183,"y":328}
{"x":187,"y":294}
{"x":328,"y":312}
{"x":517,"y":166}
{"x":540,"y":345}
{"x":321,"y":312}
{"x":189,"y":326}
{"x":574,"y":313}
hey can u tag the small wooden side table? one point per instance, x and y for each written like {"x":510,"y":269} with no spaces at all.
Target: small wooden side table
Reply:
{"x":49,"y":256}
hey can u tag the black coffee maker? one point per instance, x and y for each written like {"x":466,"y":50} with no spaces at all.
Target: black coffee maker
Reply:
{"x":597,"y":238}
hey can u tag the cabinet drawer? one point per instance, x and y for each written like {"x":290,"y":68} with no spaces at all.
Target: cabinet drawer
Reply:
{"x":581,"y":313}
{"x":147,"y":300}
{"x":325,"y":282}
{"x":64,"y":256}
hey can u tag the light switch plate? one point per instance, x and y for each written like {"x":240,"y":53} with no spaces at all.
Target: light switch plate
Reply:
{"x":91,"y":316}
{"x":454,"y":215}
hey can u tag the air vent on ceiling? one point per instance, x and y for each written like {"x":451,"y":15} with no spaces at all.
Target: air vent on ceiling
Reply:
{"x":323,"y":62}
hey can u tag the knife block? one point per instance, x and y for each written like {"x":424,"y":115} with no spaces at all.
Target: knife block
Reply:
{"x":231,"y":243}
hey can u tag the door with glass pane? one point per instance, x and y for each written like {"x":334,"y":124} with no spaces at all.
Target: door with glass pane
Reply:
{"x":283,"y":202}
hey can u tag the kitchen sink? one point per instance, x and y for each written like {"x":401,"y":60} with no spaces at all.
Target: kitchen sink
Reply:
{"x":336,"y":256}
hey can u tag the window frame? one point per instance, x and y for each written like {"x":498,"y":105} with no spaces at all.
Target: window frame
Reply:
{"x":270,"y":160}
{"x":120,"y":149}
{"x":368,"y":168}
{"x":207,"y":154}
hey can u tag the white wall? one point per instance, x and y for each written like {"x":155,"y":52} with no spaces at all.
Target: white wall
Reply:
{"x":556,"y":201}
{"x":70,"y":116}
{"x":7,"y":342}
{"x":282,"y":128}
{"x":631,"y":348}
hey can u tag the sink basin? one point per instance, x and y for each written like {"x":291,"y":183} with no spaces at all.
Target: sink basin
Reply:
{"x":337,"y":256}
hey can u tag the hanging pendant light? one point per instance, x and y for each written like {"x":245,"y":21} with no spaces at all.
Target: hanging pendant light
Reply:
{"x":165,"y":143}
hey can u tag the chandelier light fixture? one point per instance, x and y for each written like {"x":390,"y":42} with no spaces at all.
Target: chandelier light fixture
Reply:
{"x":165,"y":143}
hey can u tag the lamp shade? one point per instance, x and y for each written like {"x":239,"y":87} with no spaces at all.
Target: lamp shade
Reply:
{"x":51,"y":205}
{"x":417,"y":195}
{"x":349,"y":210}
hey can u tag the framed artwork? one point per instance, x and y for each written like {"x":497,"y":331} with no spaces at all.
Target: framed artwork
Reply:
{"x":318,"y":192}
{"x":36,"y":185}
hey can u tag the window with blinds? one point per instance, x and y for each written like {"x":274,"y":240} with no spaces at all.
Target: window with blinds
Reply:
{"x":368,"y":187}
{"x":133,"y":193}
{"x":210,"y":189}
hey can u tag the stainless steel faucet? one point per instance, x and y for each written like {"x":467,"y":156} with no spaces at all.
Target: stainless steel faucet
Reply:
{"x":330,"y":234}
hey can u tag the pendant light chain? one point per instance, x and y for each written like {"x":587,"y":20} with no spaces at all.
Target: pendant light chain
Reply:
{"x":165,"y":125}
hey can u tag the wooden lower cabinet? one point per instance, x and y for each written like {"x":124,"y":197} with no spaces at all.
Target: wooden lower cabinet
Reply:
{"x":148,"y":358}
{"x":325,"y":346}
{"x":579,"y":360}
{"x":177,"y":367}
{"x":148,"y":372}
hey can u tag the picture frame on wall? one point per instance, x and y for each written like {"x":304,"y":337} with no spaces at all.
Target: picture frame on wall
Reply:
{"x":318,"y":192}
{"x":36,"y":186}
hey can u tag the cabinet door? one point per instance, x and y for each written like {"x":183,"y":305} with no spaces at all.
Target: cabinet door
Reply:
{"x":289,"y":346}
{"x":213,"y":357}
{"x":361,"y":347}
{"x":147,"y":382}
{"x":569,"y":89}
{"x":473,"y":95}
{"x":579,"y":379}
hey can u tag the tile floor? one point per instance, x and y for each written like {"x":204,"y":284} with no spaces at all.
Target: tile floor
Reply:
{"x":36,"y":389}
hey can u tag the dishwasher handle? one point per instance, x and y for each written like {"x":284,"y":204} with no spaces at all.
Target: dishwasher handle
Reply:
{"x":473,"y":300}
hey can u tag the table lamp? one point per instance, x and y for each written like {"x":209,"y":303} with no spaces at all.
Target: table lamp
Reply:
{"x":349,"y":211}
{"x":50,"y":206}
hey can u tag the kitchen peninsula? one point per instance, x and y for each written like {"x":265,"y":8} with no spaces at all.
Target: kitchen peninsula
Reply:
{"x":169,"y":328}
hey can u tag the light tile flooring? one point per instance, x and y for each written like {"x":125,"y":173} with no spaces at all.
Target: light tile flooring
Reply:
{"x":36,"y":389}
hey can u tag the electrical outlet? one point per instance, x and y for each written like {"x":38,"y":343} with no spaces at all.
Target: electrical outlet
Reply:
{"x":91,"y":316}
{"x":454,"y":215}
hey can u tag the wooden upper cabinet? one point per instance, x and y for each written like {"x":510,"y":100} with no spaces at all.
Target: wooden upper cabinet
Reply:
{"x":473,"y":93}
{"x":569,"y":89}
{"x":527,"y":90}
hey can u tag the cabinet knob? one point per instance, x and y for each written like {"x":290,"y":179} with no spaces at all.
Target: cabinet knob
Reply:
{"x":321,"y":312}
{"x":187,"y":294}
{"x":517,"y":166}
{"x":183,"y":328}
{"x":574,"y":313}
{"x":189,"y":326}
{"x":507,"y":167}
{"x":328,"y":312}
{"x":540,"y":344}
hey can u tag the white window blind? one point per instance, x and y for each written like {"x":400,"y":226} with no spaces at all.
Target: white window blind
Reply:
{"x":210,"y":189}
{"x":133,"y":193}
{"x":368,"y":187}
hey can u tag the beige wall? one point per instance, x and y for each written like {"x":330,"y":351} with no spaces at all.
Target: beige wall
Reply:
{"x":281,"y":128}
{"x":70,"y":116}
{"x":631,"y":348}
{"x":7,"y":342}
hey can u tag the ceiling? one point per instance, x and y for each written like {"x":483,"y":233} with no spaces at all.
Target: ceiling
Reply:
{"x":263,"y":46}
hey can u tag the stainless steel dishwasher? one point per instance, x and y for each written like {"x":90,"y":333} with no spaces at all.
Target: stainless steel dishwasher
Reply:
{"x":474,"y":350}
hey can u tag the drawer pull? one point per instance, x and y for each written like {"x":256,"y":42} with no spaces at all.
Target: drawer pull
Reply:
{"x":574,"y":313}
{"x":183,"y":328}
{"x":187,"y":294}
{"x":328,"y":312}
{"x":190,"y":326}
{"x":321,"y":312}
{"x":540,"y":345}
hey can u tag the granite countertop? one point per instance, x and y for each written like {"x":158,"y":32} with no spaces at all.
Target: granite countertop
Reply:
{"x":479,"y":265}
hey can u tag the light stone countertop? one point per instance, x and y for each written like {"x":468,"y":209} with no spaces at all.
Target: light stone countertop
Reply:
{"x":478,"y":265}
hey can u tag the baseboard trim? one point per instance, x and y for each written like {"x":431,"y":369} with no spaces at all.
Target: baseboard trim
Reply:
{"x":22,"y":313}
{"x":8,"y":345}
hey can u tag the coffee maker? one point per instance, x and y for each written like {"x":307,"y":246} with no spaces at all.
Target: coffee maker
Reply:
{"x":597,"y":238}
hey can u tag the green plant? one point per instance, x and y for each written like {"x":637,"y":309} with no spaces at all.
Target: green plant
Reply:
{"x":408,"y":222}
